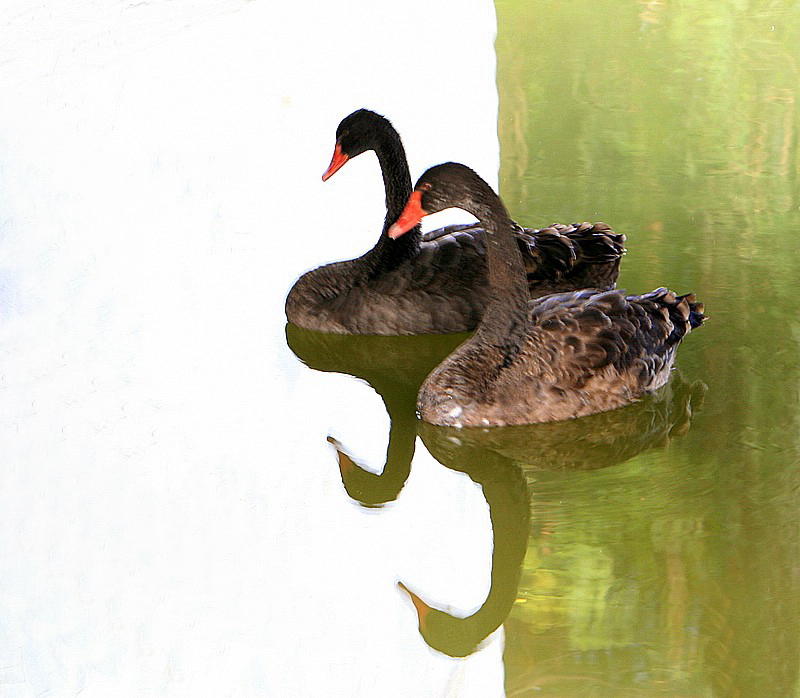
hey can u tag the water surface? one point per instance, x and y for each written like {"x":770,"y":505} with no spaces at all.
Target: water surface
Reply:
{"x":676,"y":572}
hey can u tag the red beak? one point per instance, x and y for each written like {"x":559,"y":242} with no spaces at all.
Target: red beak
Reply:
{"x":338,"y":159}
{"x":411,"y":215}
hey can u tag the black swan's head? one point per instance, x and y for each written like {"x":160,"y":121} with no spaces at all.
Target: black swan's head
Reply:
{"x":356,"y":134}
{"x":443,"y":186}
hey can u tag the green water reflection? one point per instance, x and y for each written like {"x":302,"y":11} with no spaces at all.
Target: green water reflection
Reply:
{"x":676,"y":573}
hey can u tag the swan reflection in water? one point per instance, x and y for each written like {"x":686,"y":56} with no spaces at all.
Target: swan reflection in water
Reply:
{"x":395,"y":367}
{"x":499,"y":459}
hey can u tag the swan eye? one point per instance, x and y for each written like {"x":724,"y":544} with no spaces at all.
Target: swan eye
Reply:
{"x":424,"y":186}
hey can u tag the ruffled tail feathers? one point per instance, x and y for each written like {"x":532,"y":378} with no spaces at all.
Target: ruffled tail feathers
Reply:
{"x":696,"y":314}
{"x":560,"y":249}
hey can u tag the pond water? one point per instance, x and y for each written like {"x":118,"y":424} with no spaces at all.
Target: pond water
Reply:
{"x":676,"y":572}
{"x":199,"y":499}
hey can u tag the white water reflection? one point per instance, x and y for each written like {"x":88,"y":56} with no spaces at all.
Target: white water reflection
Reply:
{"x":174,"y":522}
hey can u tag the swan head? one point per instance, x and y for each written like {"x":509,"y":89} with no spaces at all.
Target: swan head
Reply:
{"x":357,"y":133}
{"x":448,"y":185}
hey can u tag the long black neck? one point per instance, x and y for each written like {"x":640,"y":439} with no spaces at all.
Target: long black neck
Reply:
{"x":388,"y":253}
{"x":504,"y":320}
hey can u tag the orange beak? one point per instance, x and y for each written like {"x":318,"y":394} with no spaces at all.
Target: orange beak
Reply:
{"x":411,"y":215}
{"x":346,"y":465}
{"x":338,"y":159}
{"x":422,"y":608}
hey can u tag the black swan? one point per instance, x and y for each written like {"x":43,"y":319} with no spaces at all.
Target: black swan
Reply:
{"x":434,"y":283}
{"x":562,"y":356}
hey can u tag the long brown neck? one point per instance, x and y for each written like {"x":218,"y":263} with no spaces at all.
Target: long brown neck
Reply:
{"x":504,"y":320}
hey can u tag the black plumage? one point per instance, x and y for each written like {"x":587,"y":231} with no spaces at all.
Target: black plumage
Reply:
{"x":434,"y":283}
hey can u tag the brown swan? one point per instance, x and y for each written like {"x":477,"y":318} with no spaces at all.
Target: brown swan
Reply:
{"x":561,"y":356}
{"x":434,"y":283}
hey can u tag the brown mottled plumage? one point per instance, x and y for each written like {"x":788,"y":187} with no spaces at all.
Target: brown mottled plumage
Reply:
{"x":434,"y":283}
{"x":561,"y":356}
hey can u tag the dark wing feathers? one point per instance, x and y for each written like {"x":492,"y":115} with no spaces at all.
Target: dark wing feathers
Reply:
{"x":423,"y":271}
{"x":450,"y":260}
{"x":548,"y":255}
{"x":632,"y":333}
{"x":557,"y":258}
{"x":468,"y":228}
{"x":598,"y":243}
{"x":571,"y":257}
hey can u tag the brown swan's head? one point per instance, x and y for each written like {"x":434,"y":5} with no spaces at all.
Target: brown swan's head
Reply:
{"x":443,"y":186}
{"x":356,"y":134}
